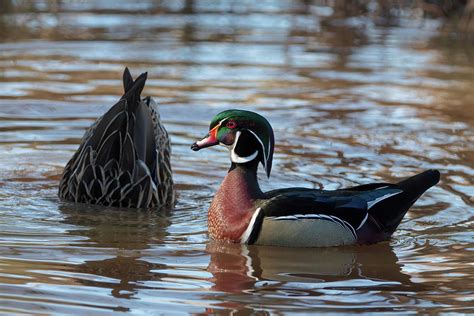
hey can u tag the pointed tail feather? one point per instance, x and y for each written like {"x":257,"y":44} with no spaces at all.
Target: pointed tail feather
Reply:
{"x":415,"y":186}
{"x":133,"y":89}
{"x":127,"y":80}
{"x":389,"y":213}
{"x":128,"y":116}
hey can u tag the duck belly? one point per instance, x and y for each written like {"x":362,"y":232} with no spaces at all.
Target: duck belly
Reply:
{"x":312,"y":232}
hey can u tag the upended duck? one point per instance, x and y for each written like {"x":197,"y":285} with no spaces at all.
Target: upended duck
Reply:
{"x":297,"y":217}
{"x":124,"y":157}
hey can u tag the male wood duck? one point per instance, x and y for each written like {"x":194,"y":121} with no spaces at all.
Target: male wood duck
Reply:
{"x":124,"y":157}
{"x":299,"y":217}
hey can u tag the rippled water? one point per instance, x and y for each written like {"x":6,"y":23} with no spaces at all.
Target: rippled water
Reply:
{"x":350,"y":101}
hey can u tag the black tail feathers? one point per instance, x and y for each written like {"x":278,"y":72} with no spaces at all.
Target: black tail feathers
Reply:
{"x":415,"y":186}
{"x":116,"y":122}
{"x":389,"y":213}
{"x":133,"y":88}
{"x":127,"y":80}
{"x":141,"y":128}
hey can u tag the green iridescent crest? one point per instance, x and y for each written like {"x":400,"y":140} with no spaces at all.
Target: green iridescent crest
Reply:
{"x":232,"y":123}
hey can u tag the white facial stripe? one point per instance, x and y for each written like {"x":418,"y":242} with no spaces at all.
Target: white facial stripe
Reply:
{"x":263,"y":148}
{"x":221,"y":121}
{"x":234,"y":144}
{"x":236,"y":158}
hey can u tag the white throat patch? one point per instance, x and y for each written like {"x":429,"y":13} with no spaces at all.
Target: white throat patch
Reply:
{"x":236,"y":158}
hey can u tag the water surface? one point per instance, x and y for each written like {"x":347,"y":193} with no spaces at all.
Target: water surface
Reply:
{"x":351,"y":102}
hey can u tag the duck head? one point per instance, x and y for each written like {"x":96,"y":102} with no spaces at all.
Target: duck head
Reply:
{"x":247,"y":135}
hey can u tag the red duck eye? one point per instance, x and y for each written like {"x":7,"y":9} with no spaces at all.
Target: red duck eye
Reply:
{"x":231,"y":124}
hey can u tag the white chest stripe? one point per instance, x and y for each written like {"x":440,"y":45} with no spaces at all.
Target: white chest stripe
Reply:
{"x":246,"y":235}
{"x":380,"y":199}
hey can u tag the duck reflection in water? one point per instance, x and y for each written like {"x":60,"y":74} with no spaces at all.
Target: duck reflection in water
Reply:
{"x":237,"y":267}
{"x":121,"y":236}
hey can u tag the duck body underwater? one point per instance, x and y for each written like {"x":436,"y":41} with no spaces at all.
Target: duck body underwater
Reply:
{"x":296,"y":217}
{"x":124,"y":157}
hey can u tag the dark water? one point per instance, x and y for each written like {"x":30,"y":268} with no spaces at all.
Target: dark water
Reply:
{"x":351,"y":102}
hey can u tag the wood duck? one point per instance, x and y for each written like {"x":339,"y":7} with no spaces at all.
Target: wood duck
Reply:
{"x":297,"y":217}
{"x":124,"y":157}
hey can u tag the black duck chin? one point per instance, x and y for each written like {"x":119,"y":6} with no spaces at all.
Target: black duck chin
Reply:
{"x":124,"y":157}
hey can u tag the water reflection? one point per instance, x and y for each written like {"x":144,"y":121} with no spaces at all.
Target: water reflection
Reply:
{"x":128,"y":232}
{"x":115,"y":227}
{"x":237,"y":268}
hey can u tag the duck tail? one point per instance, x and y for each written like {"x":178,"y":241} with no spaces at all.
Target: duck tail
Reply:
{"x":141,"y":130}
{"x":133,"y":88}
{"x":415,"y":186}
{"x":389,"y":213}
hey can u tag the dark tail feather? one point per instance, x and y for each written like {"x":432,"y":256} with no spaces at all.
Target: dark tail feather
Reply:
{"x":141,"y":127}
{"x":116,"y":119}
{"x":389,"y":213}
{"x":415,"y":186}
{"x":133,"y":89}
{"x":127,"y":80}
